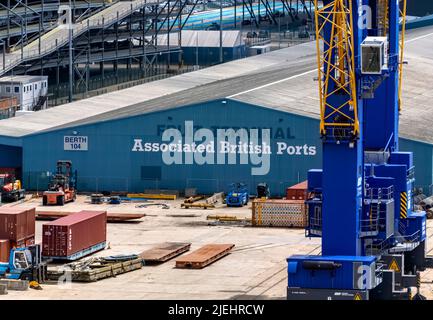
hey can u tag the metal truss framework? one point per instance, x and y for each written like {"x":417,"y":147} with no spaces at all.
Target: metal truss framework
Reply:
{"x":271,"y":13}
{"x":336,"y":68}
{"x":131,"y":40}
{"x":24,"y":20}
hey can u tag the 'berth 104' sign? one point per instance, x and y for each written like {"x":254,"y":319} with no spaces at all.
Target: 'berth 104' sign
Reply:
{"x":75,"y":143}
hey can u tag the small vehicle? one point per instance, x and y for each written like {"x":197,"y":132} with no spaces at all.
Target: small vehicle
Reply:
{"x":213,"y":26}
{"x":237,"y":196}
{"x":25,"y":264}
{"x":62,"y":187}
{"x":10,"y":188}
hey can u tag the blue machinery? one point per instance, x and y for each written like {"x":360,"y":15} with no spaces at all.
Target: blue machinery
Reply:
{"x":373,"y":243}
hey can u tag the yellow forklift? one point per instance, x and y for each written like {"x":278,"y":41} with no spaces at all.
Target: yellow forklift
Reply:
{"x":11,"y":189}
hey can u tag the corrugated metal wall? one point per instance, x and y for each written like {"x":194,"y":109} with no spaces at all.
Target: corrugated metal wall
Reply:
{"x":110,"y":164}
{"x":419,"y":7}
{"x":206,"y":56}
{"x":423,"y":161}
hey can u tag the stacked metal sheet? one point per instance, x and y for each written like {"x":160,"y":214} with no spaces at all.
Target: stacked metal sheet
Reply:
{"x":279,"y":213}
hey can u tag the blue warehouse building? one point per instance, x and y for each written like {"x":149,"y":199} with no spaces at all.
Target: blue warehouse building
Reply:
{"x":252,"y":120}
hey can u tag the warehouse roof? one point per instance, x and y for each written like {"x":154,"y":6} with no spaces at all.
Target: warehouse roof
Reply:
{"x":203,"y":38}
{"x":22,"y":79}
{"x":217,"y":82}
{"x":281,"y":80}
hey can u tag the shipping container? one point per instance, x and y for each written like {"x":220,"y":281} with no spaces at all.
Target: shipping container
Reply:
{"x":74,"y":236}
{"x":298,"y":191}
{"x":23,"y":242}
{"x":17,"y":224}
{"x":5,"y":249}
{"x":279,"y":213}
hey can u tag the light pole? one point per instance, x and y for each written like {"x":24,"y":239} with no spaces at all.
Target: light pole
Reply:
{"x":3,"y":43}
{"x":196,"y":51}
{"x":71,"y":68}
{"x":221,"y":31}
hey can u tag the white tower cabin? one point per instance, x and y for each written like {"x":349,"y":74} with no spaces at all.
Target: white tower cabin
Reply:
{"x":30,"y":92}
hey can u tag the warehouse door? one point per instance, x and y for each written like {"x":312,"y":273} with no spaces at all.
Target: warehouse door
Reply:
{"x":11,"y":160}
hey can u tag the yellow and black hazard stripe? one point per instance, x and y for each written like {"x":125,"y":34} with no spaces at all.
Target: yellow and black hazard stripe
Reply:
{"x":403,"y":205}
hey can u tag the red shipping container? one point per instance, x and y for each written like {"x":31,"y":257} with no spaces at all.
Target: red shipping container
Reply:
{"x":17,"y":224}
{"x":77,"y":232}
{"x":23,"y":242}
{"x":298,"y":191}
{"x":5,"y":250}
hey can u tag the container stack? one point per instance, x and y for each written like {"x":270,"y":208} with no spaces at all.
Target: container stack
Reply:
{"x":75,"y":236}
{"x":298,"y":191}
{"x":17,"y":229}
{"x":288,"y":212}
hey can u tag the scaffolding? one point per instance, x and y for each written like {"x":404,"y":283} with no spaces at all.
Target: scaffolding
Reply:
{"x":110,"y":38}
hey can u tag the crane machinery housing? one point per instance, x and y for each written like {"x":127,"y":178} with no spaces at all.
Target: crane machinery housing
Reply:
{"x":373,"y":242}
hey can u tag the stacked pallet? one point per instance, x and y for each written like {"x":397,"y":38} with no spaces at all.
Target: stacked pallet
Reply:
{"x":95,"y":269}
{"x":279,"y":213}
{"x":164,"y":252}
{"x":204,"y":256}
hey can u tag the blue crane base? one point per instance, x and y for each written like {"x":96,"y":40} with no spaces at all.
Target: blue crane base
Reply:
{"x":332,"y":272}
{"x":381,"y":277}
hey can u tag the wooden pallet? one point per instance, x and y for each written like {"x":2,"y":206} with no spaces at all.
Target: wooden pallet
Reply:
{"x":110,"y":270}
{"x":164,"y":252}
{"x":204,"y":256}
